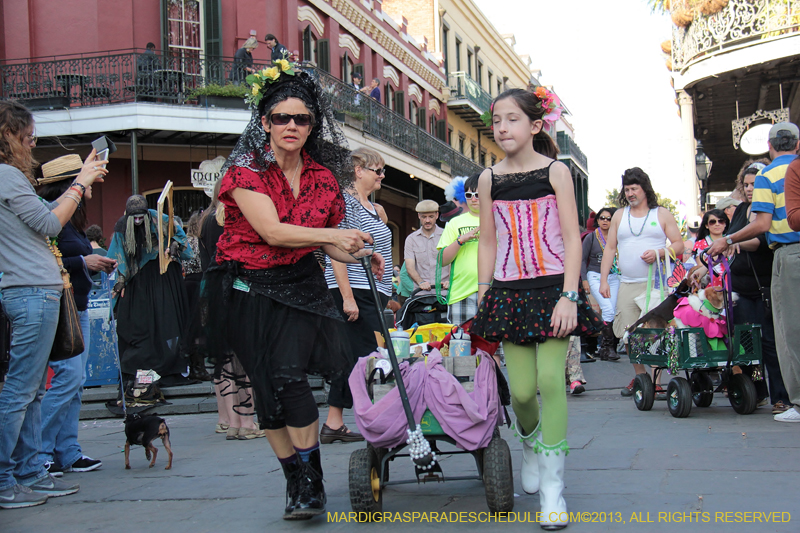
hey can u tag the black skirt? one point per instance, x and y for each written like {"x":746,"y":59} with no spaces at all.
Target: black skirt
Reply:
{"x":522,"y":316}
{"x":280,"y":323}
{"x":151,"y":321}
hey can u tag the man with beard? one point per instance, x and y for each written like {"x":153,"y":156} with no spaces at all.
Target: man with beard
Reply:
{"x":152,"y":309}
{"x":420,"y":249}
{"x":638,"y":232}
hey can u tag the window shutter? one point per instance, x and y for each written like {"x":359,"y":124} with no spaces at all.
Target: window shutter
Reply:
{"x":307,"y":52}
{"x":213,"y":28}
{"x":359,"y":67}
{"x":441,"y":130}
{"x":164,"y":25}
{"x":324,"y":55}
{"x":421,"y":117}
{"x":399,"y":103}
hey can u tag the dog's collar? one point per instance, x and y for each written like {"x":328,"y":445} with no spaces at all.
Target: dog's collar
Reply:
{"x":710,"y":307}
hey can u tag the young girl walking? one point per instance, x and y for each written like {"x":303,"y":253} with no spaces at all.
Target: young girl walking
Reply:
{"x":528,"y":284}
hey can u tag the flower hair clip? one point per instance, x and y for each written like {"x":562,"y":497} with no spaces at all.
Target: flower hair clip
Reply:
{"x":486,"y":117}
{"x":262,"y":79}
{"x":551,"y":105}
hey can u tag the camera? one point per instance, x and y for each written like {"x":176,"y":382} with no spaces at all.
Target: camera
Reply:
{"x":104,"y":147}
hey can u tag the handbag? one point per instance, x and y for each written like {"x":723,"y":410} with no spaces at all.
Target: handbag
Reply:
{"x":69,"y":337}
{"x":763,"y":291}
{"x":651,"y":297}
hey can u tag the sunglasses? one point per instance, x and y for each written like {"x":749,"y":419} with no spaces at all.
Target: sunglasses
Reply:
{"x":282,"y":119}
{"x":711,"y":222}
{"x":379,"y":171}
{"x":470,"y":195}
{"x":603,"y":218}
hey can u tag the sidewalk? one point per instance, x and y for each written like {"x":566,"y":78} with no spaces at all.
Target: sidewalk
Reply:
{"x":623,"y":462}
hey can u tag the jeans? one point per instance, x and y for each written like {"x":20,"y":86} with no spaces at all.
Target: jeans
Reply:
{"x":33,"y":313}
{"x":608,"y":306}
{"x":61,"y":405}
{"x":752,"y":311}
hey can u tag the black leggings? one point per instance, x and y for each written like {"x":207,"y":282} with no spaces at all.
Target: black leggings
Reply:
{"x":299,"y":407}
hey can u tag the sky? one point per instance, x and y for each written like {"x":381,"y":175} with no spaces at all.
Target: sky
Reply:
{"x":604,"y":61}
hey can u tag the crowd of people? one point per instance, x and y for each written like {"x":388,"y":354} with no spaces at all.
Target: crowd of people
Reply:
{"x":510,"y":261}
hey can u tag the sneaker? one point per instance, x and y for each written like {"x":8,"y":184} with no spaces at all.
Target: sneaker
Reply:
{"x":628,"y":391}
{"x":20,"y":496}
{"x":248,"y":434}
{"x":779,"y":408}
{"x":577,"y":387}
{"x":53,"y":469}
{"x":84,"y":464}
{"x":790,"y":415}
{"x":54,"y":487}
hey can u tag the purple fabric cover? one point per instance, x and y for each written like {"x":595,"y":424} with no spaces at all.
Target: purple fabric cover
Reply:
{"x":469,"y":418}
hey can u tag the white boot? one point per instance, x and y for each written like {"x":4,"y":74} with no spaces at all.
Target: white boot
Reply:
{"x":529,"y":474}
{"x":551,"y":490}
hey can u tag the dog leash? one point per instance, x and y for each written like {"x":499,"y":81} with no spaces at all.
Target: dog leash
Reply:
{"x":106,"y":284}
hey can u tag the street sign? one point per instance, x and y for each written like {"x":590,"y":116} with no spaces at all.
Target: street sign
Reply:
{"x":755,"y":140}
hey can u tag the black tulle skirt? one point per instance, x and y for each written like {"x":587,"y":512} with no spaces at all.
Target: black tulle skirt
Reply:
{"x":281,"y":328}
{"x":522,"y":316}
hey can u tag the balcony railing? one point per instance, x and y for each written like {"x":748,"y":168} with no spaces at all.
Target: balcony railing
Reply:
{"x":135,"y":76}
{"x":569,"y":147}
{"x":393,"y":129}
{"x":740,"y":23}
{"x":462,"y":87}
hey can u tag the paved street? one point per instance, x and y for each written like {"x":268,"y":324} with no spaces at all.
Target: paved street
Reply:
{"x":623,"y":462}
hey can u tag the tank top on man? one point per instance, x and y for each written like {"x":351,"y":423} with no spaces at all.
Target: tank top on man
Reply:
{"x":632,"y":242}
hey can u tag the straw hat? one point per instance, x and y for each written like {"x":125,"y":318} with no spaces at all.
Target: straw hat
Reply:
{"x":66,"y":166}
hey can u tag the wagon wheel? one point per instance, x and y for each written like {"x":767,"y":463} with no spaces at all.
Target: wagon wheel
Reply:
{"x":679,"y":397}
{"x":644,"y":393}
{"x":498,"y":475}
{"x":702,"y":389}
{"x":742,"y":394}
{"x":365,"y":483}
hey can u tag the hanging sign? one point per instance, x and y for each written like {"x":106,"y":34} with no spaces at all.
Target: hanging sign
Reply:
{"x":755,"y":140}
{"x":207,"y":175}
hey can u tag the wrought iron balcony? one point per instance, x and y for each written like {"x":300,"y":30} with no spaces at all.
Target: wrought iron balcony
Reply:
{"x":569,"y":148}
{"x":739,"y":24}
{"x":129,"y":76}
{"x":467,"y":98}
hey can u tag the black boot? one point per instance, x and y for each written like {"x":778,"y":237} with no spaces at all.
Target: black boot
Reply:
{"x":197,"y":366}
{"x":292,"y":471}
{"x":311,"y":497}
{"x":611,"y":341}
{"x":602,"y":351}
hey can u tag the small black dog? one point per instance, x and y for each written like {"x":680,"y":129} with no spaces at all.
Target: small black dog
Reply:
{"x":143,"y":430}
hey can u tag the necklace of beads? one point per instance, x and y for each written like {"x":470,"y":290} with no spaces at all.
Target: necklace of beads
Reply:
{"x":630,"y":227}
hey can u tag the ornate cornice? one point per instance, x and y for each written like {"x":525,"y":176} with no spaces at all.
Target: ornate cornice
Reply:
{"x":346,"y":41}
{"x":307,"y":13}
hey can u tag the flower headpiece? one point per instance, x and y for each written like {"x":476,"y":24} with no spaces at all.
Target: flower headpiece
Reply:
{"x":551,"y":108}
{"x":261,"y":80}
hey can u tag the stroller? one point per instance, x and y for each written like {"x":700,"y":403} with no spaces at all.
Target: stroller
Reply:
{"x":369,"y":467}
{"x":421,"y":309}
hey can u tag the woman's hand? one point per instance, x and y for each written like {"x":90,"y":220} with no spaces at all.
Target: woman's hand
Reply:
{"x":565,"y":317}
{"x":351,"y":240}
{"x":378,"y":265}
{"x":99,"y":263}
{"x":92,"y":170}
{"x":350,"y":309}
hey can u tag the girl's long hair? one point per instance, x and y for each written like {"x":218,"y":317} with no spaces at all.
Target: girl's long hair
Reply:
{"x":533,"y":109}
{"x":14,"y":120}
{"x":216,"y":208}
{"x":53,"y":191}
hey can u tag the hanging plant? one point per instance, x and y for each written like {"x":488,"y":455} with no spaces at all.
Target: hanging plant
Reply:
{"x":666,"y":46}
{"x":709,"y":7}
{"x":682,"y":17}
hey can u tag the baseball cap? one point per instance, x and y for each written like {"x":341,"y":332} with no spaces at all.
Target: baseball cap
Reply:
{"x":726,"y":202}
{"x":694,"y":223}
{"x":783,"y":130}
{"x":357,"y":75}
{"x":427,"y":206}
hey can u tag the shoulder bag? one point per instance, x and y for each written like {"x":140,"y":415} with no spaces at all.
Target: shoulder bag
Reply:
{"x":69,"y":337}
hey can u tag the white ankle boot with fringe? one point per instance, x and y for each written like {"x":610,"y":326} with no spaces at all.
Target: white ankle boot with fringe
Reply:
{"x":551,"y":484}
{"x":529,"y":474}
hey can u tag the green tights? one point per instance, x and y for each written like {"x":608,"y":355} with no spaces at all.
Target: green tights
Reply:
{"x":542,"y":365}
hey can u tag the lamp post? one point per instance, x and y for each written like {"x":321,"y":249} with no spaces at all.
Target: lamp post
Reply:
{"x":703,"y":168}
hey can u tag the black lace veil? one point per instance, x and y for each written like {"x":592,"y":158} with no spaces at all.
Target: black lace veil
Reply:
{"x":326,"y":143}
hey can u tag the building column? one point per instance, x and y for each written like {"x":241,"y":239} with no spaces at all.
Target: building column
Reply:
{"x":690,"y":187}
{"x":134,"y":163}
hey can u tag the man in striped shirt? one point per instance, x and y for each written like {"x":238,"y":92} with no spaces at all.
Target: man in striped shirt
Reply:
{"x":769,"y":206}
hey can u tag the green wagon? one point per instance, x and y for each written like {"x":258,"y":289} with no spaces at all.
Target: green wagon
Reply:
{"x":690,"y":351}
